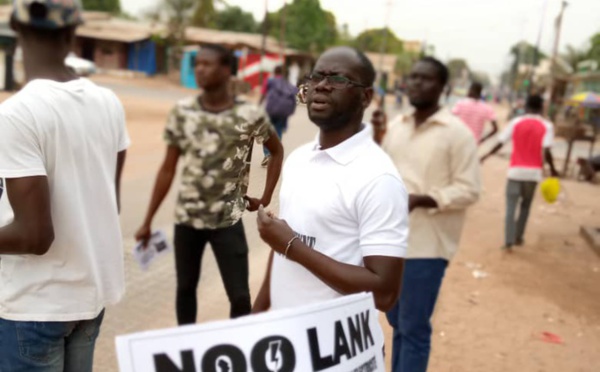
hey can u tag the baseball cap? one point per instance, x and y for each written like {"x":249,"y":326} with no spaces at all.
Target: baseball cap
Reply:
{"x":48,"y":14}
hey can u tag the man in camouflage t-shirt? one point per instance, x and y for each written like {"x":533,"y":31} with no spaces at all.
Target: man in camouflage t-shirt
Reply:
{"x":214,"y":135}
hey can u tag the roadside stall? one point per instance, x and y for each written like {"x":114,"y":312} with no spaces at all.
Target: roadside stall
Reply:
{"x":582,"y":123}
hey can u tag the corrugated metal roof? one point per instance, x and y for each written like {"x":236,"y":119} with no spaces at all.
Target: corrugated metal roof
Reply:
{"x":110,"y":31}
{"x":230,"y":38}
{"x":103,"y":26}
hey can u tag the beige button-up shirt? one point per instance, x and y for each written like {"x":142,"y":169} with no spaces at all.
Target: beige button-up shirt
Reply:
{"x":438,"y":159}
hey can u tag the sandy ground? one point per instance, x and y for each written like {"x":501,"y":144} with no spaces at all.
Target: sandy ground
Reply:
{"x":487,"y":324}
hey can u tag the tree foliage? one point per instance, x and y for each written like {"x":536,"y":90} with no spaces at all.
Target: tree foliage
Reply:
{"x":456,"y":67}
{"x":343,"y":36}
{"x":481,"y":77}
{"x":594,"y":52}
{"x":574,"y":56}
{"x":525,"y":53}
{"x":373,"y":40}
{"x":176,"y":14}
{"x":111,"y":6}
{"x":405,"y":62}
{"x":307,"y":26}
{"x":234,"y":18}
{"x":205,"y":13}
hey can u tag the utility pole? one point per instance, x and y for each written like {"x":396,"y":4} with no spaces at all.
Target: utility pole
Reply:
{"x":282,"y":37}
{"x":519,"y":53}
{"x":384,"y":37}
{"x":261,"y":74}
{"x":558,"y":26}
{"x":383,"y":48}
{"x":536,"y":52}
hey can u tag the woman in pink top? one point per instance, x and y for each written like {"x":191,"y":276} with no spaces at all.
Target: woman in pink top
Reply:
{"x":475,"y":113}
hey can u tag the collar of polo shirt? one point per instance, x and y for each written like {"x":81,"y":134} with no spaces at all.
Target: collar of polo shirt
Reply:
{"x":348,"y":150}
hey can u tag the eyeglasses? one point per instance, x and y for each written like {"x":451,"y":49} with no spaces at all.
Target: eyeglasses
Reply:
{"x":334,"y":81}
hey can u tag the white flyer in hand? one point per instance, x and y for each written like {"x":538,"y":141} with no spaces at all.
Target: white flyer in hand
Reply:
{"x":158,"y":245}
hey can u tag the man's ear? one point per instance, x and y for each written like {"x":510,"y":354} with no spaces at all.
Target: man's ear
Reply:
{"x":367,"y":96}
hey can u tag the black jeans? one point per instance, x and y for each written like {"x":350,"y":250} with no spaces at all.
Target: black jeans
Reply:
{"x":231,"y":252}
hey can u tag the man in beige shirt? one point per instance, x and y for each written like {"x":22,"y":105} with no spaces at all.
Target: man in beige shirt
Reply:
{"x":436,"y":155}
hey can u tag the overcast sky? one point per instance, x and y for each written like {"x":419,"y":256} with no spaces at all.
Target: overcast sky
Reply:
{"x":481,"y":31}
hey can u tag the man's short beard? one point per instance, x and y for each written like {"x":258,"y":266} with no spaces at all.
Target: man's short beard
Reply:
{"x":336,"y":121}
{"x":421,"y":105}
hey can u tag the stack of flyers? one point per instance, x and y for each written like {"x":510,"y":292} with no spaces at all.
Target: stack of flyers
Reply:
{"x":157,"y":246}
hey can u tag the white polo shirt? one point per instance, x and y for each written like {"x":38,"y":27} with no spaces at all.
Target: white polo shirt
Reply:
{"x":348,"y":202}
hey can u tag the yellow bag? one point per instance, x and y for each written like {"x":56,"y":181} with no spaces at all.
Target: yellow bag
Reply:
{"x":550,"y":189}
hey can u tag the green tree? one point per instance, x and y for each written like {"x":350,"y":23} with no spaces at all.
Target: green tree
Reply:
{"x":234,"y":18}
{"x":481,"y":77}
{"x":111,"y":6}
{"x":405,"y":62}
{"x":176,"y":14}
{"x":456,"y":67}
{"x":574,"y":56}
{"x":205,"y":13}
{"x":372,"y":40}
{"x":307,"y":26}
{"x":525,"y":53}
{"x":344,"y":37}
{"x":505,"y":78}
{"x":594,"y":52}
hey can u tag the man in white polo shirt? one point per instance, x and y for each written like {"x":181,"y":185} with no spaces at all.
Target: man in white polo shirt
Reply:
{"x":343,"y":223}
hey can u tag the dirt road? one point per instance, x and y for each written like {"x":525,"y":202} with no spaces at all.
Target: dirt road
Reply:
{"x":489,"y":324}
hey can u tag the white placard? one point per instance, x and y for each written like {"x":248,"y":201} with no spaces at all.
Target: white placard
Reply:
{"x":158,"y":245}
{"x":342,"y":335}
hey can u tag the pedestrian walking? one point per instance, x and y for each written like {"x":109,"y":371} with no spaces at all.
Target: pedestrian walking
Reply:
{"x":532,"y":137}
{"x":280,"y":96}
{"x":62,"y":148}
{"x":343,"y":221}
{"x":399,"y":93}
{"x":476,"y":114}
{"x":214,"y":135}
{"x":436,"y":155}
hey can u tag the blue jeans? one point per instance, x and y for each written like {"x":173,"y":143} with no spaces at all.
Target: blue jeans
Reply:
{"x":280,"y":125}
{"x":48,"y":346}
{"x":411,"y":316}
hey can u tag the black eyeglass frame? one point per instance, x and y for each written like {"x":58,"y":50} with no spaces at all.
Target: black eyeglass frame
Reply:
{"x":315,"y":79}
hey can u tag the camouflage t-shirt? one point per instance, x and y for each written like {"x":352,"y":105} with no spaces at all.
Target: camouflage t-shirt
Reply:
{"x":216,"y":149}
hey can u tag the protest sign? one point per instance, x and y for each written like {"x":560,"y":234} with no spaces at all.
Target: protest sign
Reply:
{"x":340,"y":335}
